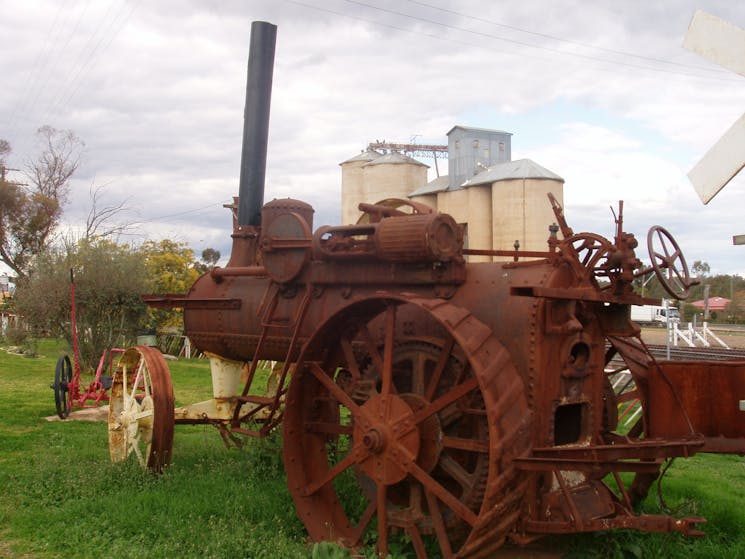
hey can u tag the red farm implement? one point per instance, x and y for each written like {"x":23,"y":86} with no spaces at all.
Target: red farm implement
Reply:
{"x":69,"y":386}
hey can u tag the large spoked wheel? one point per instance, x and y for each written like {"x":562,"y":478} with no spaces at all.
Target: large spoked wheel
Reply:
{"x":62,"y":378}
{"x":386,"y":434}
{"x":141,"y":408}
{"x":592,"y":252}
{"x":668,"y":263}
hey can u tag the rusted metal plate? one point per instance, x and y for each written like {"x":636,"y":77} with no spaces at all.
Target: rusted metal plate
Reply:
{"x":710,"y":393}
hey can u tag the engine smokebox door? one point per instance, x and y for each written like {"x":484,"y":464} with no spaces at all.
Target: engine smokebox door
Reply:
{"x":711,"y":392}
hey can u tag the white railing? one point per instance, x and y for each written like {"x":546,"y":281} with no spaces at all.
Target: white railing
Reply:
{"x":693,"y":335}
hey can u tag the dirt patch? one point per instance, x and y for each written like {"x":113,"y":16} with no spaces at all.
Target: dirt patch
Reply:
{"x":87,"y":414}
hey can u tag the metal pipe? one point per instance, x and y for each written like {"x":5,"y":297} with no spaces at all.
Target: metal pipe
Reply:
{"x":235,"y":271}
{"x":256,"y":122}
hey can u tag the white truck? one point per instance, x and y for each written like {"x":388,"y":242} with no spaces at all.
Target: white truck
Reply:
{"x":654,"y":315}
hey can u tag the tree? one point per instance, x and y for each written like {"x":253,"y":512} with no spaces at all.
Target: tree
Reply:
{"x":171,"y":268}
{"x":109,"y":279}
{"x":736,"y":307}
{"x":700,"y":268}
{"x":210,"y":256}
{"x":29,"y":214}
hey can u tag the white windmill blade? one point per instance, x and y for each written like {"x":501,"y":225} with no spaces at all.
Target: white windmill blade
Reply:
{"x":721,"y":42}
{"x":717,"y":40}
{"x":721,"y":163}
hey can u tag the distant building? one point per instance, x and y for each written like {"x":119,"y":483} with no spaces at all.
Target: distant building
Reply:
{"x":498,"y":201}
{"x":715,"y":303}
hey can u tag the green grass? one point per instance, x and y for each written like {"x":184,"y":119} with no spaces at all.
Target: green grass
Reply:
{"x":61,"y":497}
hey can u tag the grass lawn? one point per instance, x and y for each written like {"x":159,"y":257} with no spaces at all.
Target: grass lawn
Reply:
{"x":61,"y":497}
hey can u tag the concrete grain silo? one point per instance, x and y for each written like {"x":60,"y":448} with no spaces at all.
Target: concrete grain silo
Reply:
{"x":392,"y":175}
{"x":519,"y":203}
{"x":497,"y":201}
{"x":353,"y":184}
{"x":427,"y":194}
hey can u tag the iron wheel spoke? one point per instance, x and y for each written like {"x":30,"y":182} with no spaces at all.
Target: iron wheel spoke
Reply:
{"x":354,"y":456}
{"x":351,"y":361}
{"x":443,"y":494}
{"x":336,"y":391}
{"x":387,"y":370}
{"x":445,"y":400}
{"x":371,"y":347}
{"x":416,"y":541}
{"x":439,"y":525}
{"x":455,"y":471}
{"x":434,"y":380}
{"x":365,"y":520}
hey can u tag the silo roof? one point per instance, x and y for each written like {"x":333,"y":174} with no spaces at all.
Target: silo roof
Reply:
{"x":440,"y":184}
{"x":394,"y":158}
{"x":367,"y":155}
{"x":510,"y":170}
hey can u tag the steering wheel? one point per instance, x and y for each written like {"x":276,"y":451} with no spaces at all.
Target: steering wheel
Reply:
{"x":668,"y":263}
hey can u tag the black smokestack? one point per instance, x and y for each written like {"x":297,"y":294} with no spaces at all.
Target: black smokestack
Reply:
{"x":256,"y":122}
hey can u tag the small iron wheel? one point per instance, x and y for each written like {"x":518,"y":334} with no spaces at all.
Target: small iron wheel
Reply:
{"x":141,"y":409}
{"x":389,"y":434}
{"x":626,"y":404}
{"x":62,"y":378}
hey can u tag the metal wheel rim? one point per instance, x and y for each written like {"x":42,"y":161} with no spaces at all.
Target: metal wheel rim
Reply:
{"x":62,"y":378}
{"x":141,"y":409}
{"x":315,"y":474}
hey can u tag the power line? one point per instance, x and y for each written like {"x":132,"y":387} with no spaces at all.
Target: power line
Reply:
{"x":485,"y":35}
{"x":34,"y":75}
{"x":564,"y":40}
{"x":529,"y":45}
{"x":61,"y":51}
{"x":54,"y":60}
{"x":178,"y":214}
{"x":72,"y":86}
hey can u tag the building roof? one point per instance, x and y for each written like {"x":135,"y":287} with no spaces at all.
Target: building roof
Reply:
{"x":366,"y":155}
{"x":440,"y":184}
{"x":715,"y":303}
{"x":477,"y":129}
{"x":510,"y":170}
{"x":394,"y":158}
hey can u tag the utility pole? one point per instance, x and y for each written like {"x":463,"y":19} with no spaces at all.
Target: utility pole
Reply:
{"x":4,"y":171}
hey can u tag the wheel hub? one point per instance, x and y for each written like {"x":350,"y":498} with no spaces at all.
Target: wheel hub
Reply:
{"x":373,"y":440}
{"x":386,"y":430}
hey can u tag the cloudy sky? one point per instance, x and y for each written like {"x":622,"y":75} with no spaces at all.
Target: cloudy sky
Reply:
{"x":600,"y":92}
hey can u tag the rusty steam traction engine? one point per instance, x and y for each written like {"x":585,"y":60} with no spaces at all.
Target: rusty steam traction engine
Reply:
{"x":465,"y":402}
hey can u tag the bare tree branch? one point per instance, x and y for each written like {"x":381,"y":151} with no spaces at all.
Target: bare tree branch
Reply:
{"x":99,"y":220}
